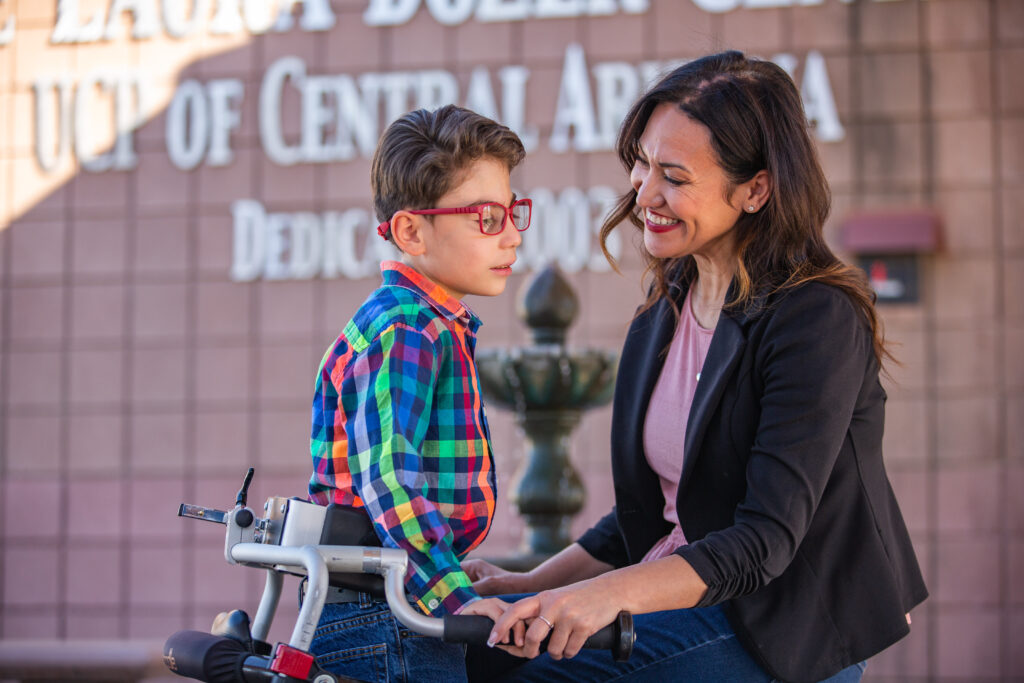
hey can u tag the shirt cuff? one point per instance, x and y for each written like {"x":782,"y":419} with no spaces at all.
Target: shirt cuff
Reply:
{"x":435,"y":606}
{"x":478,"y":598}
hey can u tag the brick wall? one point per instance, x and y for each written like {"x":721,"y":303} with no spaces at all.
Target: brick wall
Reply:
{"x":135,"y":374}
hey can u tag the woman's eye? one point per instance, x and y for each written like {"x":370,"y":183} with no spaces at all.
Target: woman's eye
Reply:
{"x":673,"y":181}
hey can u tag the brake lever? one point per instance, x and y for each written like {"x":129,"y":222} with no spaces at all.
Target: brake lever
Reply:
{"x":205,"y":514}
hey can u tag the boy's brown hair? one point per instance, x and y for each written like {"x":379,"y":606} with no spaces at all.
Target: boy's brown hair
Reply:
{"x":421,"y":156}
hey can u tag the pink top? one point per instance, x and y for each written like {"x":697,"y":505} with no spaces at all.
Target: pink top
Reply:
{"x":668,"y":414}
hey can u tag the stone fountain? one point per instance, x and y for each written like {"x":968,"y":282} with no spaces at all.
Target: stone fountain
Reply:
{"x":548,"y":386}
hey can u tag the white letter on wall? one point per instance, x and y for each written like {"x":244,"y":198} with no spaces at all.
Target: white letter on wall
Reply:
{"x":188,"y":126}
{"x":223,"y":118}
{"x":575,"y":108}
{"x":717,"y":5}
{"x":249,"y":239}
{"x":129,"y":105}
{"x":393,"y":86}
{"x":513,"y":104}
{"x":572,"y":230}
{"x":315,"y":117}
{"x":316,"y":15}
{"x":503,"y":10}
{"x":90,"y":160}
{"x":144,"y":18}
{"x":635,"y":6}
{"x":7,"y":33}
{"x":271,"y":92}
{"x":259,"y":16}
{"x":307,"y":245}
{"x":819,"y":102}
{"x":435,"y":88}
{"x":603,"y":198}
{"x":480,"y":95}
{"x":357,"y":118}
{"x":598,"y":8}
{"x":52,"y":119}
{"x":761,"y":4}
{"x":173,"y":15}
{"x":617,"y":87}
{"x":227,"y":19}
{"x":550,"y":9}
{"x":69,"y":30}
{"x":277,"y":244}
{"x":340,"y":231}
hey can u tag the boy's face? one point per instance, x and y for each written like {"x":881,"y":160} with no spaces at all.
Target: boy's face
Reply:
{"x":455,"y":254}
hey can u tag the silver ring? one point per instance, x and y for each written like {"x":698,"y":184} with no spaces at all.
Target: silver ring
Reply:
{"x":545,"y":620}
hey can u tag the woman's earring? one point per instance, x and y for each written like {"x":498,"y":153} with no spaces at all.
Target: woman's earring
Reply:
{"x":751,"y":208}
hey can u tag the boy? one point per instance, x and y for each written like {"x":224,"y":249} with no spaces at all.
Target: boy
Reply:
{"x":398,"y":423}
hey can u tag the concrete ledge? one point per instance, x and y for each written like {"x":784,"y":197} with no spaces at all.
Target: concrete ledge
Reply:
{"x":115,"y":661}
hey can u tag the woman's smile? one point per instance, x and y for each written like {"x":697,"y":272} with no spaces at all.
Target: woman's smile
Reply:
{"x":658,"y":223}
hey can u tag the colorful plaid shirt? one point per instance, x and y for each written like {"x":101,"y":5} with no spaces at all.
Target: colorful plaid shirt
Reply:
{"x":399,"y":427}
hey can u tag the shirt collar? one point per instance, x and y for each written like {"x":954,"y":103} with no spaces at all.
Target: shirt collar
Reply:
{"x":398,"y":274}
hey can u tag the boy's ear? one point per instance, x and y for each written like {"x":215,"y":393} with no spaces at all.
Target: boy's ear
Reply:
{"x":406,"y":231}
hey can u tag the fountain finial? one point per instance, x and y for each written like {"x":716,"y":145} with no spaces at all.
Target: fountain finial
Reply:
{"x":548,"y":306}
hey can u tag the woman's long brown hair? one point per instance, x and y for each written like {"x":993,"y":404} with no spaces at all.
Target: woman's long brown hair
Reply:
{"x":756,"y":119}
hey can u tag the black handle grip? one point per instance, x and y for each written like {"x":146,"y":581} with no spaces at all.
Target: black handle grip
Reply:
{"x":617,"y":637}
{"x":204,"y":656}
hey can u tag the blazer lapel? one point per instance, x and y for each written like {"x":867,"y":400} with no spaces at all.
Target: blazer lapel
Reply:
{"x":727,"y":346}
{"x":639,"y":369}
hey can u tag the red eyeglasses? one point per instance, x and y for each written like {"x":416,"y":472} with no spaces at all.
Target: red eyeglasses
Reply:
{"x":492,"y":216}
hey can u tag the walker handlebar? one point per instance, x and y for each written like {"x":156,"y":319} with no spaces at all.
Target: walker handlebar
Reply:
{"x":617,"y":637}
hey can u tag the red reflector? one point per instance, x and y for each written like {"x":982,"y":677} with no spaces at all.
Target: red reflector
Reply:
{"x":291,"y":662}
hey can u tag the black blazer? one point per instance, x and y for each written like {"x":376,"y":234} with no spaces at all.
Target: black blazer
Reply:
{"x":784,"y":499}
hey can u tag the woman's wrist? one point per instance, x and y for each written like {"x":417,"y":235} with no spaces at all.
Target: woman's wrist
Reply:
{"x":569,"y":566}
{"x":666,"y":583}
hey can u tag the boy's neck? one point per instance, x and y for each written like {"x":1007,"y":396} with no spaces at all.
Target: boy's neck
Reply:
{"x":430,"y":287}
{"x":410,"y":262}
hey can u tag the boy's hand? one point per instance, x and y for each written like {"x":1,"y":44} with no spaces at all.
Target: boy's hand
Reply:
{"x":490,"y":579}
{"x":480,"y":569}
{"x":493,"y":608}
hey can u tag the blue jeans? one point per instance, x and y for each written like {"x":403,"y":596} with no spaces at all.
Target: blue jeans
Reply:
{"x":362,"y":640}
{"x":690,"y":645}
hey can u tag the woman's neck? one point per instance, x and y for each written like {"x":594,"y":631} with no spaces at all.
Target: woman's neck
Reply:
{"x":709,"y":290}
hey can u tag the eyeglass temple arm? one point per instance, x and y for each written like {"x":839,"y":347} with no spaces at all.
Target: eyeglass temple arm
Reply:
{"x":441,"y":212}
{"x":383,"y":228}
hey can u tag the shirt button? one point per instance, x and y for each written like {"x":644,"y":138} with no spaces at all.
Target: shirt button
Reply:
{"x":433,"y":604}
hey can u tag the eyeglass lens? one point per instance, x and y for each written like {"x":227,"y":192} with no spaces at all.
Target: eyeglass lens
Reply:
{"x":492,"y":217}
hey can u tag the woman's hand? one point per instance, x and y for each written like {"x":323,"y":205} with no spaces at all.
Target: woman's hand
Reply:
{"x":568,"y":566}
{"x":574,"y":613}
{"x":569,"y":615}
{"x":490,"y":579}
{"x":494,"y":609}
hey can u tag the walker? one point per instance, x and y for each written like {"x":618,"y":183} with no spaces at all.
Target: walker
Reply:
{"x":289,"y":540}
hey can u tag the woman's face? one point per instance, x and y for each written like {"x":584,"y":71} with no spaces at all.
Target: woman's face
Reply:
{"x":684,"y":196}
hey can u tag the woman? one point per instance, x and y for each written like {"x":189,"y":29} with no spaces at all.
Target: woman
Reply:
{"x":755,"y":532}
